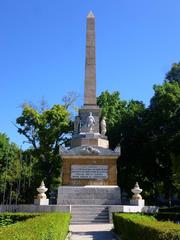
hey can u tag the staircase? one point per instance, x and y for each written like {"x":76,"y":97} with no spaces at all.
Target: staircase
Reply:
{"x":89,"y":214}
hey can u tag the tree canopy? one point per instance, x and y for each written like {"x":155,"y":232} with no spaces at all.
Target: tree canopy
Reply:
{"x":149,"y":137}
{"x":10,"y":169}
{"x":174,"y":74}
{"x":45,"y":130}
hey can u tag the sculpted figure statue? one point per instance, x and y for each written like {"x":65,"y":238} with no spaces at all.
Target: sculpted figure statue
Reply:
{"x":103,"y":126}
{"x":90,"y":122}
{"x":77,"y":125}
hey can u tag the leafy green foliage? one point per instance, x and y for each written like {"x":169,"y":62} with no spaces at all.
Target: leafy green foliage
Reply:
{"x":45,"y":130}
{"x":5,"y":220}
{"x":174,"y":74}
{"x":112,"y":107}
{"x":168,"y":216}
{"x":175,"y":160}
{"x":10,"y":169}
{"x":149,"y":139}
{"x":164,"y":132}
{"x":137,"y":227}
{"x":10,"y":218}
{"x":124,"y":122}
{"x":44,"y":226}
{"x":170,"y":209}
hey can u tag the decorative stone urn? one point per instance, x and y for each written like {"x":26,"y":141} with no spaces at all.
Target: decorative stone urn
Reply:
{"x":41,"y":198}
{"x":41,"y":190}
{"x":136,"y":190}
{"x":137,"y":198}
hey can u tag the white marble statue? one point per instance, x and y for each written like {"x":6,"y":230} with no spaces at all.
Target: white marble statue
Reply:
{"x":90,"y":122}
{"x":103,"y":126}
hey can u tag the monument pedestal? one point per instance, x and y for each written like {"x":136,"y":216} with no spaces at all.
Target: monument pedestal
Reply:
{"x":41,"y":201}
{"x":89,"y":195}
{"x":137,"y":202}
{"x":79,"y":170}
{"x":90,"y":139}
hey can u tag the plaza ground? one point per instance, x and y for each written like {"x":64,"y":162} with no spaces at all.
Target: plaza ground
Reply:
{"x":91,"y":232}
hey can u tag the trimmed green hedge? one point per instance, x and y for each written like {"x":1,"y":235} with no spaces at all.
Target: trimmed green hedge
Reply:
{"x":43,"y":226}
{"x":138,"y":227}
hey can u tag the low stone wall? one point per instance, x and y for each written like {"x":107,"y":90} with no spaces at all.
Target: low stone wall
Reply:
{"x":67,"y":208}
{"x":131,"y":209}
{"x":34,"y":208}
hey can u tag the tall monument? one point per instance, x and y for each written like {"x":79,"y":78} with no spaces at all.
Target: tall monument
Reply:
{"x":89,"y":166}
{"x":90,"y":67}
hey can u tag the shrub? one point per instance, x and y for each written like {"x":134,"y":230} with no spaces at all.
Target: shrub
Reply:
{"x":138,"y":227}
{"x":168,"y":216}
{"x":172,"y":209}
{"x":5,"y":220}
{"x":10,"y":218}
{"x":44,"y":226}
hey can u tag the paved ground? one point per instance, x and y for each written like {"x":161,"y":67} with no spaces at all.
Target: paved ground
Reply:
{"x":91,"y":232}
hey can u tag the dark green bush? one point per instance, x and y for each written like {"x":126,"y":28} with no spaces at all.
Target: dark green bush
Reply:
{"x":138,"y":227}
{"x":168,"y":216}
{"x":44,"y":226}
{"x":10,"y":218}
{"x":5,"y":220}
{"x":172,"y":209}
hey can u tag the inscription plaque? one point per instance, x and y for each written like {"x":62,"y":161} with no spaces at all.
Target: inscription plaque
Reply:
{"x":89,"y":172}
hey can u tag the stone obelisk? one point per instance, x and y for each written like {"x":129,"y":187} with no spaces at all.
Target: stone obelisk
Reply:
{"x":90,"y":103}
{"x":90,"y":67}
{"x":89,"y":161}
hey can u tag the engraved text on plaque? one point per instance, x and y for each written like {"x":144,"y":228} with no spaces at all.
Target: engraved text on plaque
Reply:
{"x":89,"y":172}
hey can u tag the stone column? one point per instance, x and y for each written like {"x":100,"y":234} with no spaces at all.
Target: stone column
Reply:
{"x":90,"y":67}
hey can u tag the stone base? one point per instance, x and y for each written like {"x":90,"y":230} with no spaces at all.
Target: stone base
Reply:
{"x":41,"y":201}
{"x":89,"y":141}
{"x":89,"y":195}
{"x":139,"y":202}
{"x":109,"y":161}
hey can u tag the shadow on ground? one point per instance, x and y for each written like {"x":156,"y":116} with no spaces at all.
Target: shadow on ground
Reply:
{"x":99,"y":235}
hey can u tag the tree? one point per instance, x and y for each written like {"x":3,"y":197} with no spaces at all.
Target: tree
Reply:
{"x":113,"y":109}
{"x":174,"y":74}
{"x":164,"y":130}
{"x":45,"y":130}
{"x":176,"y":171}
{"x":148,"y":136}
{"x":9,"y":170}
{"x":124,"y":120}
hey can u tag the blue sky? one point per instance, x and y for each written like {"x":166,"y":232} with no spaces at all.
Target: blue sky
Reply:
{"x":42,"y":50}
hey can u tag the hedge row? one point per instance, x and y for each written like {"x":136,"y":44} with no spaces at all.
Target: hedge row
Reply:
{"x":44,"y":226}
{"x":172,"y":209}
{"x":138,"y":227}
{"x":168,"y":216}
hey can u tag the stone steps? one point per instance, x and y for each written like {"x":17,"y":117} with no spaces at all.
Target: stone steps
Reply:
{"x":89,"y":214}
